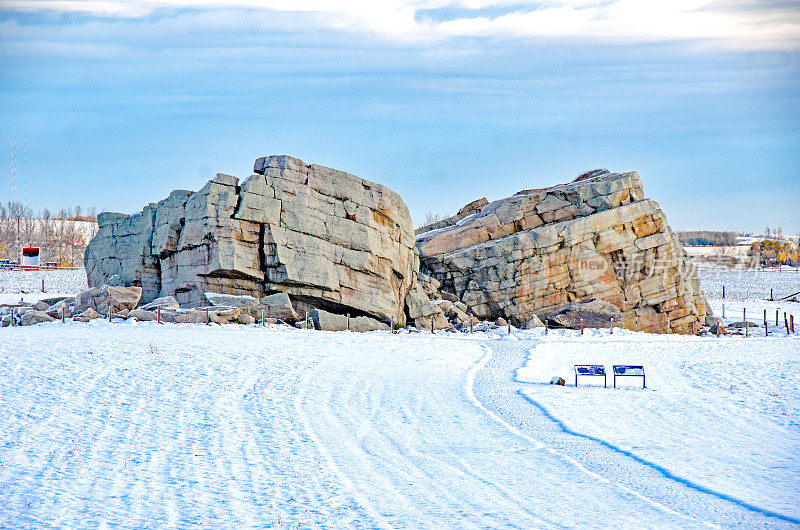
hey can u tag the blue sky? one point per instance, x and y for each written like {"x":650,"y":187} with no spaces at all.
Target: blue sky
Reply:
{"x":443,"y":101}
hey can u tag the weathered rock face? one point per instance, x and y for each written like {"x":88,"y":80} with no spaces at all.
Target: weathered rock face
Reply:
{"x":596,"y":237}
{"x":327,"y":238}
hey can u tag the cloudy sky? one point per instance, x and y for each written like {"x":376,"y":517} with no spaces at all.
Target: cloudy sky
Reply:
{"x":444,"y":101}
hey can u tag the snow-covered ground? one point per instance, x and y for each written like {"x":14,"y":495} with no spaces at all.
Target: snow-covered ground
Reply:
{"x":27,"y":285}
{"x":140,"y":424}
{"x":144,"y":425}
{"x":722,"y":414}
{"x":749,"y":284}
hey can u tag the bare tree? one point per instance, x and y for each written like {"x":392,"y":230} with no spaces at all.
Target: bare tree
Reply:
{"x":61,"y":238}
{"x":431,"y":218}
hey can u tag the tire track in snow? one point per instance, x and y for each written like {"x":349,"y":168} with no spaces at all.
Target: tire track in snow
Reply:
{"x":503,"y":400}
{"x":470,"y":390}
{"x":399,"y":429}
{"x":124,"y":437}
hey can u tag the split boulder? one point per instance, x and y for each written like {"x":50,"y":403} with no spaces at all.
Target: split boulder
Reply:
{"x":35,"y":317}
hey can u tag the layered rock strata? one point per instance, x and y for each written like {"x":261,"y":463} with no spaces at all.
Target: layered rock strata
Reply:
{"x":596,"y":237}
{"x":327,"y":238}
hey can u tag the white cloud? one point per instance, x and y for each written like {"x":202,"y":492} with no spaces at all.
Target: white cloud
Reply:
{"x":741,"y":24}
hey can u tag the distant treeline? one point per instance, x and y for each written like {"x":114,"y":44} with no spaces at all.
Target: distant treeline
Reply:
{"x":706,"y":238}
{"x":62,"y":236}
{"x":776,"y":252}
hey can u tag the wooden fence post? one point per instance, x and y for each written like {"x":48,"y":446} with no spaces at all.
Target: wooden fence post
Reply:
{"x":746,"y":323}
{"x":348,"y":321}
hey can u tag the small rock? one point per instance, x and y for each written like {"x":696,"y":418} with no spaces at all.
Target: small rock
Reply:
{"x":90,"y":314}
{"x":500,"y":322}
{"x":142,"y":315}
{"x":325,"y":321}
{"x":189,"y":317}
{"x":532,"y":323}
{"x":83,"y":300}
{"x":439,"y":322}
{"x":742,"y":325}
{"x":558,"y":381}
{"x":231,"y":300}
{"x":449,"y":297}
{"x":278,"y":306}
{"x":246,"y":319}
{"x":717,"y":329}
{"x":108,"y":296}
{"x":458,"y":315}
{"x":57,"y":299}
{"x":225,"y":316}
{"x":56,"y":309}
{"x":164,"y":302}
{"x":35,"y":317}
{"x":168,"y":316}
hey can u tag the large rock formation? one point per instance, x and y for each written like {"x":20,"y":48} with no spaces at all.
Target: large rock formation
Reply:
{"x":335,"y":242}
{"x":596,"y":237}
{"x":327,"y":238}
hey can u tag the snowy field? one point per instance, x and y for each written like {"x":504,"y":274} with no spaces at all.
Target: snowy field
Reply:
{"x":723,"y":415}
{"x":136,"y":425}
{"x":749,"y":284}
{"x":28,"y":284}
{"x":140,"y":425}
